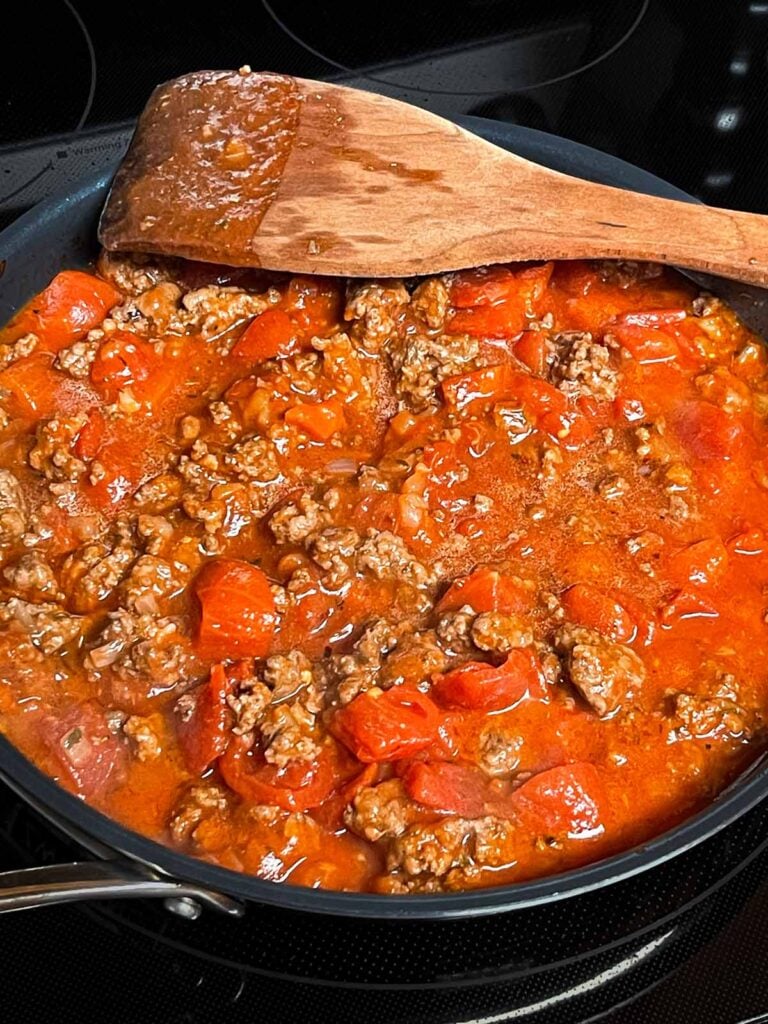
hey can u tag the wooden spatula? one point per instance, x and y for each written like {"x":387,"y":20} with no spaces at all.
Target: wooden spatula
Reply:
{"x":264,"y":170}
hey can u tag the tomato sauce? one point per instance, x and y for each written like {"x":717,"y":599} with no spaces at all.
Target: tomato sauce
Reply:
{"x":381,"y":587}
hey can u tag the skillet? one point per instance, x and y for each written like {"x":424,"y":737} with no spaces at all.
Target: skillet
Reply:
{"x":60,"y":233}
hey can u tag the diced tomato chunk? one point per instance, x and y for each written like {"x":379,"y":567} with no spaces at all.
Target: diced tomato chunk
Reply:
{"x":544,"y":404}
{"x":387,"y":725}
{"x":122,"y":360}
{"x":482,"y":286}
{"x":237,"y":610}
{"x":702,"y":563}
{"x":588,"y":606}
{"x":486,"y":590}
{"x":331,"y":813}
{"x":646,"y":344}
{"x":480,"y":686}
{"x":566,"y":801}
{"x":531,"y":350}
{"x":91,"y":435}
{"x":92,"y":755}
{"x":121,"y":467}
{"x":33,"y":387}
{"x":448,"y":788}
{"x":652,"y":317}
{"x":687,"y":603}
{"x":270,"y":334}
{"x":707,"y":431}
{"x":319,"y":420}
{"x":500,"y":321}
{"x":205,"y":732}
{"x":299,"y":786}
{"x":468,"y":390}
{"x":493,"y":302}
{"x":313,"y":302}
{"x":72,"y":304}
{"x":751,"y":540}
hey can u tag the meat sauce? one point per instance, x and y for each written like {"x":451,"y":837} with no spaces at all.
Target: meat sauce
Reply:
{"x":379,"y":585}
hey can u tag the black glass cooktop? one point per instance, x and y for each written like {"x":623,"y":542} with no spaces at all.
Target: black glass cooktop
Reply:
{"x":686,"y":944}
{"x":678,"y":88}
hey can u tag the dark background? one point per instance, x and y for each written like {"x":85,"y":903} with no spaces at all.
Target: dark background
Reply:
{"x":677,"y":87}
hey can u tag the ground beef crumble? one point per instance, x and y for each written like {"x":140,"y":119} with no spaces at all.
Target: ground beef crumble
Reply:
{"x":295,"y":521}
{"x":436,"y":849}
{"x":19,"y":349}
{"x":47,"y":625}
{"x":141,"y":647}
{"x":606,"y":674}
{"x":422,"y":362}
{"x":92,"y":572}
{"x":584,"y":367}
{"x":13,"y":508}
{"x":387,"y":557}
{"x":374,"y":309}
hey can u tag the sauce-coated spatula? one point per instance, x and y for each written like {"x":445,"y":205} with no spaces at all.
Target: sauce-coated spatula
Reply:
{"x":253,"y":169}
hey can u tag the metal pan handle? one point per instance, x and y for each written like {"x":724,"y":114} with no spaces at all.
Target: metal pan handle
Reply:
{"x":105,"y":880}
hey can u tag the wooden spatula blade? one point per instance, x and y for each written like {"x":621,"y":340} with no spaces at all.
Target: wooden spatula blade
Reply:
{"x":203,"y":167}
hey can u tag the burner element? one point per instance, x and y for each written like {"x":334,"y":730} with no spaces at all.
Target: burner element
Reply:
{"x":480,"y":49}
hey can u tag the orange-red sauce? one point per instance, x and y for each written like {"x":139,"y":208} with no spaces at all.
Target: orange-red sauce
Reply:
{"x":637,"y":477}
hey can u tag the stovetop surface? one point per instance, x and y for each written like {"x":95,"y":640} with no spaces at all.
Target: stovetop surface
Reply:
{"x":679,"y":89}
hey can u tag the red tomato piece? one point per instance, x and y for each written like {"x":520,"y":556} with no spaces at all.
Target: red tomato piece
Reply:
{"x":479,"y":686}
{"x":531,"y":350}
{"x":237,"y":610}
{"x":122,"y":360}
{"x":122,"y":464}
{"x":701,"y":564}
{"x":482,"y":286}
{"x":652,"y":317}
{"x":91,"y":435}
{"x":331,"y":814}
{"x":387,"y":725}
{"x":646,"y":344}
{"x":580,"y":425}
{"x":545,"y":405}
{"x":271,"y":334}
{"x":500,"y":321}
{"x":92,"y":755}
{"x":306,"y":616}
{"x":466,"y":390}
{"x":686,"y":604}
{"x":707,"y":431}
{"x":205,"y":734}
{"x":72,"y":304}
{"x":319,"y":420}
{"x":299,"y":786}
{"x":33,"y":386}
{"x":486,"y":590}
{"x":566,"y":801}
{"x":492,"y":302}
{"x":588,"y":606}
{"x":448,"y":788}
{"x":751,"y":540}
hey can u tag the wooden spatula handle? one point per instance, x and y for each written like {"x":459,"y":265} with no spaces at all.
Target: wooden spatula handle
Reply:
{"x":614,"y":223}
